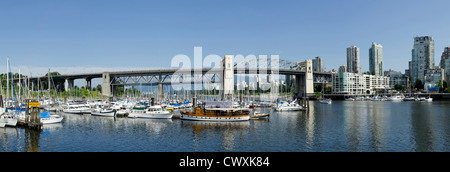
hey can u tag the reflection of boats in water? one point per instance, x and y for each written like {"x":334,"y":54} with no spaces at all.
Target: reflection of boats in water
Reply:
{"x":213,"y":125}
{"x":216,"y":111}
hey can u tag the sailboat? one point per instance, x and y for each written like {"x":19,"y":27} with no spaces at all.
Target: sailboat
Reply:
{"x":8,"y":118}
{"x":47,"y":118}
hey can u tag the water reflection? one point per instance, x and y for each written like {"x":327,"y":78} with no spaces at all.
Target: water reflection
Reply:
{"x":422,"y":127}
{"x":226,"y":131}
{"x":32,"y":140}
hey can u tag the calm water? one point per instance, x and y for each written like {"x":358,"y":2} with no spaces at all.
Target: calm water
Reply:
{"x":342,"y":126}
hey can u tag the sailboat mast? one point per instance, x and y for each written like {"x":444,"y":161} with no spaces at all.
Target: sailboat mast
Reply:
{"x":48,"y":74}
{"x":7,"y":81}
{"x":20,"y":88}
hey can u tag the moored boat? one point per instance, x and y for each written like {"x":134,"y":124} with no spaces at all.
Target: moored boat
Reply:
{"x":327,"y":101}
{"x":395,"y":98}
{"x":350,"y":99}
{"x":9,"y":120}
{"x":47,"y":118}
{"x":2,"y":123}
{"x":288,"y":106}
{"x":216,"y":111}
{"x":77,"y":109}
{"x":258,"y":115}
{"x":150,"y":112}
{"x":104,"y":112}
{"x":409,"y":99}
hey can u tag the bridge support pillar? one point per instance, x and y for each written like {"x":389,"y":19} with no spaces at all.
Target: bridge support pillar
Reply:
{"x":87,"y":83}
{"x":161,"y":92}
{"x":304,"y":84}
{"x":106,"y":84}
{"x":228,"y":78}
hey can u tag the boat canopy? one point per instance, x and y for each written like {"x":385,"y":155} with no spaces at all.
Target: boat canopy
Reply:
{"x":45,"y":114}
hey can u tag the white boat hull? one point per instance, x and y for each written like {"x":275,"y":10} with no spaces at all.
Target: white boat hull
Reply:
{"x":288,"y":109}
{"x":76,"y":111}
{"x":325,"y":102}
{"x":108,"y":114}
{"x":428,"y":100}
{"x":157,"y":115}
{"x":222,"y":119}
{"x":11,"y":122}
{"x":2,"y":124}
{"x":8,"y":120}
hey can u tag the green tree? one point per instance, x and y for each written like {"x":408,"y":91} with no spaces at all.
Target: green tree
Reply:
{"x":447,"y":90}
{"x":328,"y":90}
{"x":99,"y":88}
{"x":398,"y":87}
{"x":419,"y":84}
{"x":53,"y":74}
{"x":440,"y":85}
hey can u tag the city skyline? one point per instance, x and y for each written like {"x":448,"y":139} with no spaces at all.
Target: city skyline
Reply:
{"x":134,"y":34}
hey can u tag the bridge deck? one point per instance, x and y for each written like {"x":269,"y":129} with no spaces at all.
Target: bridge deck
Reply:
{"x":156,"y":72}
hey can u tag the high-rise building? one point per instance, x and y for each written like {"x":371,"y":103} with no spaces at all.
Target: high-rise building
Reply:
{"x":342,"y":68}
{"x":445,"y":63}
{"x":353,"y":60}
{"x":376,"y":59}
{"x":422,"y":57}
{"x":318,"y":64}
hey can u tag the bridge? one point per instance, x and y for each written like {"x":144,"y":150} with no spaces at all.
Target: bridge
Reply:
{"x":263,"y":69}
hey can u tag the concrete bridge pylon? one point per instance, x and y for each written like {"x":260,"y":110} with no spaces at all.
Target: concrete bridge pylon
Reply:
{"x":106,"y":84}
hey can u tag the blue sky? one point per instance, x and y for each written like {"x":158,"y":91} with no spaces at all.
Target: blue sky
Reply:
{"x":98,"y":35}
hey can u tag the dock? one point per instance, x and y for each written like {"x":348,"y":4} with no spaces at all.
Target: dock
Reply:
{"x":435,"y":96}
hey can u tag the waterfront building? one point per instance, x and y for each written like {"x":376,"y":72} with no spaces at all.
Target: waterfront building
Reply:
{"x":422,"y":57}
{"x":318,"y":64}
{"x":432,"y":77}
{"x":376,"y":59}
{"x":445,"y":63}
{"x":353,"y":60}
{"x":396,"y":77}
{"x":355,"y":84}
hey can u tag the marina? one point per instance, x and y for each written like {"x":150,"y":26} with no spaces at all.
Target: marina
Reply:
{"x":354,"y":126}
{"x":264,"y":76}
